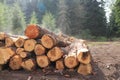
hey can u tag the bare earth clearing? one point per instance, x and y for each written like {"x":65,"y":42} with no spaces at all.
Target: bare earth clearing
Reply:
{"x":106,"y":56}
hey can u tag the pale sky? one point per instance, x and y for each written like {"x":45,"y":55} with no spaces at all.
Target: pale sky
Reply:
{"x":108,"y":7}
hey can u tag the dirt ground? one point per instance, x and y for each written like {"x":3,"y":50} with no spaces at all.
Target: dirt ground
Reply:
{"x":106,"y":66}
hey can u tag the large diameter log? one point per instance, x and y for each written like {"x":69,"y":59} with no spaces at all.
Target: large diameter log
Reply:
{"x":29,"y":45}
{"x":55,"y":53}
{"x":60,"y":64}
{"x":42,"y":61}
{"x":6,"y":54}
{"x":20,"y":42}
{"x":84,"y":69}
{"x":84,"y":57}
{"x":29,"y":64}
{"x":39,"y":49}
{"x":15,"y":62}
{"x":33,"y":31}
{"x":71,"y":60}
{"x":48,"y":41}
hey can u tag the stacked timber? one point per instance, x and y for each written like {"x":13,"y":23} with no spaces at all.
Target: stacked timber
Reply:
{"x":40,"y":47}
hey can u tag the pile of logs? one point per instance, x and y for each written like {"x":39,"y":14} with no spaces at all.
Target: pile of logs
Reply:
{"x":40,"y":47}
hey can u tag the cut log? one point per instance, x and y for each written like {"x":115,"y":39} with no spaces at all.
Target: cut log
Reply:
{"x":55,"y":53}
{"x":71,"y":60}
{"x":29,"y":64}
{"x":6,"y":54}
{"x":20,"y":42}
{"x":39,"y":49}
{"x":84,"y":57}
{"x":3,"y":36}
{"x":18,"y":50}
{"x":60,"y":64}
{"x":29,"y":45}
{"x":48,"y":41}
{"x":42,"y":61}
{"x":84,"y":69}
{"x":25,"y":54}
{"x":33,"y":31}
{"x":15,"y":62}
{"x":9,"y":42}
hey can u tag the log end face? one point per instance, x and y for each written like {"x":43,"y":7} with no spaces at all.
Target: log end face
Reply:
{"x":47,"y":41}
{"x":85,"y":69}
{"x":32,"y":31}
{"x":42,"y":61}
{"x":71,"y":61}
{"x":55,"y":54}
{"x":39,"y":50}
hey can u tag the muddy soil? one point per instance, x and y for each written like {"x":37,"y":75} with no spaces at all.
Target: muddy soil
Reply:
{"x":106,"y":57}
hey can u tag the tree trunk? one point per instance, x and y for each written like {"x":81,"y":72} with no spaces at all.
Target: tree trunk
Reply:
{"x":60,"y":64}
{"x":55,"y":53}
{"x":42,"y":61}
{"x":39,"y":49}
{"x":29,"y":64}
{"x":15,"y":62}
{"x":29,"y":45}
{"x":84,"y":69}
{"x":6,"y":54}
{"x":20,"y":42}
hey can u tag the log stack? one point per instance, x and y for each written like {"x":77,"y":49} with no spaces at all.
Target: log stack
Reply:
{"x":41,"y":48}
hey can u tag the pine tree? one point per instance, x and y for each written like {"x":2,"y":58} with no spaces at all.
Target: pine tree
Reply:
{"x":62,"y":19}
{"x":117,"y":15}
{"x":5,"y":18}
{"x":33,"y":19}
{"x":48,"y":21}
{"x":18,"y":20}
{"x":95,"y":18}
